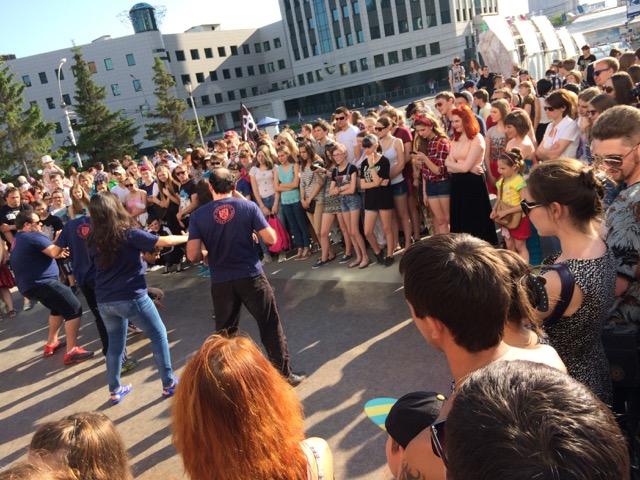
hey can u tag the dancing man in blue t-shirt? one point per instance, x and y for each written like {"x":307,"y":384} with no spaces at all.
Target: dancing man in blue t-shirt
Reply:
{"x":226,"y":226}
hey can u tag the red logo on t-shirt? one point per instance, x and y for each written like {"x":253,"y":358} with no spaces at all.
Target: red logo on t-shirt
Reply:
{"x":224,"y":213}
{"x":83,"y":231}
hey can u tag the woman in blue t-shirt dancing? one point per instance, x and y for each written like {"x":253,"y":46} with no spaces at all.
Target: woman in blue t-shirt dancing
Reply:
{"x":121,"y":290}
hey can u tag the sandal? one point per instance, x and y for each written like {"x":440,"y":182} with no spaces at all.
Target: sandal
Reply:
{"x":11,"y":314}
{"x":365,"y":265}
{"x":354,"y":264}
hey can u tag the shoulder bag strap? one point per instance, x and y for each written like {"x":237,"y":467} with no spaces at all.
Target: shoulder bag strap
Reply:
{"x":567,"y":287}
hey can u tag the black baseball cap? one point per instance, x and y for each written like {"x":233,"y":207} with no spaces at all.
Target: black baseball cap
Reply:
{"x":411,"y":414}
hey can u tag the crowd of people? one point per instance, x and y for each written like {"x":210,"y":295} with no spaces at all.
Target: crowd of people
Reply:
{"x":505,"y":167}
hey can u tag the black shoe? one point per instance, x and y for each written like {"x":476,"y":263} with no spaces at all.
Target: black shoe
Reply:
{"x":345,"y":259}
{"x":380,"y":257}
{"x":294,"y":379}
{"x":388,"y":261}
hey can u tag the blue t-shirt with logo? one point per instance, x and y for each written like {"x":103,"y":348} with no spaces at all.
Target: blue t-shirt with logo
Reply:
{"x":30,"y":266}
{"x":74,"y":236}
{"x":124,"y":278}
{"x":226,"y":227}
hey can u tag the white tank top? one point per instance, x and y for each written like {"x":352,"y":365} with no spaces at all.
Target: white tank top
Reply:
{"x":392,"y":155}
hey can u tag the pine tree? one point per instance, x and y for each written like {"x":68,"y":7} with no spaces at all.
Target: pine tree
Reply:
{"x":172,"y":130}
{"x":104,"y":135}
{"x":24,"y":135}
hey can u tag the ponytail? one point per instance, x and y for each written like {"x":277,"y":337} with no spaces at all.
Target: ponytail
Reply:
{"x":513,"y":158}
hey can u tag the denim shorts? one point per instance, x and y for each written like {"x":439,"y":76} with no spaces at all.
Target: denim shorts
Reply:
{"x":57,"y":297}
{"x":399,"y":188}
{"x":439,"y":189}
{"x":350,"y":202}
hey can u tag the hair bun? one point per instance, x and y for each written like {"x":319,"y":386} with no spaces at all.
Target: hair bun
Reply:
{"x":589,"y":179}
{"x":517,"y":153}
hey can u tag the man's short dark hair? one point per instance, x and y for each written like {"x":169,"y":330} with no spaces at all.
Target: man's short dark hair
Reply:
{"x":461,"y":281}
{"x":222,"y":180}
{"x":323,"y":124}
{"x":23,"y":218}
{"x":342,"y":111}
{"x":481,"y":94}
{"x":522,"y":420}
{"x":621,"y":121}
{"x":10,"y":190}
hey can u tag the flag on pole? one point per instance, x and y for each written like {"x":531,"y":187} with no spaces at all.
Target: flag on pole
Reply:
{"x":249,"y":127}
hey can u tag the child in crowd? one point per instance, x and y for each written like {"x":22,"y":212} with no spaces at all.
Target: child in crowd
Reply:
{"x":168,"y":256}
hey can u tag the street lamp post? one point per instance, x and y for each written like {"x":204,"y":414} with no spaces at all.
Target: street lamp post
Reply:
{"x":64,"y":106}
{"x":195,"y":113}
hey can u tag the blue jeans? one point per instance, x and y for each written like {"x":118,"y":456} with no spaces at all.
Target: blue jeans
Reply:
{"x":297,"y":221}
{"x":144,"y":313}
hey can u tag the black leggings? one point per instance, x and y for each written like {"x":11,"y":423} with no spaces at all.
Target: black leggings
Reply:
{"x":88,"y":289}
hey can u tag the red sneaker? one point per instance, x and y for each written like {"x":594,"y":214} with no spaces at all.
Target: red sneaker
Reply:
{"x":50,"y":348}
{"x":76,"y":355}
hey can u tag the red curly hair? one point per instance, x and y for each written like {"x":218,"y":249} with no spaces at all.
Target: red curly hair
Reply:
{"x":470,"y":124}
{"x":236,"y":417}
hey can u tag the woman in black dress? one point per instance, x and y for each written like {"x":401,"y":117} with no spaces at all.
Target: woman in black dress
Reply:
{"x":470,"y":205}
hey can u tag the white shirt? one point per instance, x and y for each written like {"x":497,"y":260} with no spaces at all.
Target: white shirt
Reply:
{"x":348,"y":138}
{"x":120,"y":192}
{"x":567,"y":129}
{"x":264,"y":179}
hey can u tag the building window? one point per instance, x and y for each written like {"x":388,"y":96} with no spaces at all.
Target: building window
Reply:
{"x":301,"y":80}
{"x":238,"y":72}
{"x":407,"y":54}
{"x":374,"y":23}
{"x":343,"y":69}
{"x":226,"y":74}
{"x":243,"y":93}
{"x":55,"y":73}
{"x":430,"y":12}
{"x":43,"y":77}
{"x":378,"y":60}
{"x":186,"y":78}
{"x":387,"y":16}
{"x":266,"y":46}
{"x":322,"y":24}
{"x":349,"y":39}
{"x":213,"y":75}
{"x":137,"y":85}
{"x":257,"y":47}
{"x":262,"y":69}
{"x":66,"y":98}
{"x":222,"y":52}
{"x":195,"y":54}
{"x":92,"y":67}
{"x":218,"y":97}
{"x":108,"y":64}
{"x":200,"y":77}
{"x":345,"y":10}
{"x":50,"y":103}
{"x":204,"y":99}
{"x":231,"y":95}
{"x":33,"y":103}
{"x":251,"y":71}
{"x":277,"y":43}
{"x":58,"y":127}
{"x":281,"y":64}
{"x":254,"y":91}
{"x":393,"y":57}
{"x":364,"y":64}
{"x":131,"y":60}
{"x":421,"y":51}
{"x":309,"y":77}
{"x":180,"y":56}
{"x":416,"y":14}
{"x":319,"y":76}
{"x":360,"y":36}
{"x":208,"y":53}
{"x":26,"y":80}
{"x":339,"y":43}
{"x":246,"y":49}
{"x":434,"y":48}
{"x":445,"y":12}
{"x":401,"y":11}
{"x":270,"y":67}
{"x":353,"y":66}
{"x":115,"y":89}
{"x":335,"y":14}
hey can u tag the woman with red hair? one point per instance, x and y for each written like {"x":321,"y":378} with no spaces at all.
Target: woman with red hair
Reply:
{"x":470,"y":205}
{"x":235,"y":417}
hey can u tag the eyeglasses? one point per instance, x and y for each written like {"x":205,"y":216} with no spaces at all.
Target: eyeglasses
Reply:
{"x":128,"y":185}
{"x":598,"y":72}
{"x":181,"y":172}
{"x":340,"y":118}
{"x":437,"y":440}
{"x":379,"y":129}
{"x":549,"y":109}
{"x":528,"y":206}
{"x":613,"y":161}
{"x":607,"y":89}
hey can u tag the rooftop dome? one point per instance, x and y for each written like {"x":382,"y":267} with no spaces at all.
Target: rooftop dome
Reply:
{"x":141,"y":6}
{"x":143,"y":18}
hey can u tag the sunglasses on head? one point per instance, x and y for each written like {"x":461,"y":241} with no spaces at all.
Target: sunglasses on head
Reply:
{"x":528,"y":206}
{"x":437,"y":440}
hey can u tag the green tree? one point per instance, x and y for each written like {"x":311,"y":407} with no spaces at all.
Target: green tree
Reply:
{"x":24,"y":135}
{"x":172,"y":130}
{"x":104,"y":134}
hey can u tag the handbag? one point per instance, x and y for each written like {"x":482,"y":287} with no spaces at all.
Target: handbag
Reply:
{"x":508,"y":221}
{"x":282,"y":243}
{"x":312,"y":206}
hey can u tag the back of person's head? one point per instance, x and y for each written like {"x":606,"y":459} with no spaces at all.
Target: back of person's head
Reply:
{"x":461,"y":281}
{"x":222,"y":181}
{"x":543,"y":86}
{"x":623,"y":88}
{"x":602,"y":102}
{"x":521,"y":420}
{"x":520,"y":120}
{"x":573,"y":88}
{"x":520,"y":307}
{"x":618,"y":122}
{"x":626,"y":60}
{"x":23,"y":218}
{"x":36,"y":469}
{"x":569,"y":64}
{"x":588,"y":94}
{"x":235,"y":416}
{"x":481,"y":95}
{"x":87,"y":443}
{"x":634,"y":71}
{"x":569,"y":183}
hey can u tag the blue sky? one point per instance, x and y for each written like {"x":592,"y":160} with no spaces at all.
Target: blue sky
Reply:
{"x":36,"y":26}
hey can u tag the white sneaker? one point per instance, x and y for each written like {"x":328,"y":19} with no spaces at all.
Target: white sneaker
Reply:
{"x":282,"y":257}
{"x":266,"y":259}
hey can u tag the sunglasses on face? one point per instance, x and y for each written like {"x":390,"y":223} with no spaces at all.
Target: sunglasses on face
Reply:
{"x":528,"y":206}
{"x":379,"y":129}
{"x":128,"y":185}
{"x":614,"y":160}
{"x":339,"y":118}
{"x":437,"y":440}
{"x":549,"y":109}
{"x":181,"y":172}
{"x":598,"y":72}
{"x":607,"y":89}
{"x":591,"y":113}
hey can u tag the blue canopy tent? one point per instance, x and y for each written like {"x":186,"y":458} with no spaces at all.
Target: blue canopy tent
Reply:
{"x":268,"y":122}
